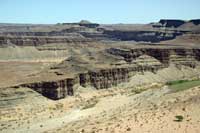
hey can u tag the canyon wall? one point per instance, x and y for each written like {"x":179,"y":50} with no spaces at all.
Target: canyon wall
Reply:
{"x":36,"y":40}
{"x":81,"y":33}
{"x":146,"y":36}
{"x":109,"y":77}
{"x":106,"y":78}
{"x":53,"y":89}
{"x":176,"y":55}
{"x":165,"y":29}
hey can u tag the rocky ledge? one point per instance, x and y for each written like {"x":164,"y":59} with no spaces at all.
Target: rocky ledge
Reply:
{"x":53,"y":89}
{"x":103,"y":78}
{"x":36,"y":40}
{"x":164,"y":55}
{"x":146,"y":36}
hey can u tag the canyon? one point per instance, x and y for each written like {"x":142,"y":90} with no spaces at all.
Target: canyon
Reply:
{"x":118,"y":73}
{"x":116,"y":61}
{"x":49,"y":70}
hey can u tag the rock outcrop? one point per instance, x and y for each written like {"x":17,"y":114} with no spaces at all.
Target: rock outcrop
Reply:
{"x":165,"y":29}
{"x":98,"y":67}
{"x":171,"y":22}
{"x":53,"y":89}
{"x":166,"y":55}
{"x":36,"y":40}
{"x":106,"y":78}
{"x":145,"y":36}
{"x":103,"y":78}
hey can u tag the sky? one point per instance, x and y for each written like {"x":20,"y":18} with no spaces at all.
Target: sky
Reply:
{"x":99,"y":11}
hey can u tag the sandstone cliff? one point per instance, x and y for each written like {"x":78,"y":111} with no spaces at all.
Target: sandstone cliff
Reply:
{"x":38,"y":40}
{"x":53,"y":89}
{"x":103,"y":78}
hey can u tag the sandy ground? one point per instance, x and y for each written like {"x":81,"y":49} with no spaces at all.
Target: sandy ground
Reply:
{"x":151,"y":111}
{"x":13,"y":73}
{"x":116,"y":110}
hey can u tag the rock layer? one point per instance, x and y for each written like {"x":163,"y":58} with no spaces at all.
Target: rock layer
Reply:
{"x":53,"y":89}
{"x":35,"y":41}
{"x":165,"y":55}
{"x":106,"y":78}
{"x":146,"y":36}
{"x":109,"y":77}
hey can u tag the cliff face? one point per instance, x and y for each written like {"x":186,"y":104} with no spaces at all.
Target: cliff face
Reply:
{"x":165,"y":56}
{"x":146,"y":36}
{"x":99,"y":68}
{"x":100,"y":78}
{"x":35,"y":41}
{"x":104,"y":78}
{"x":53,"y":89}
{"x":82,"y":33}
{"x":165,"y":29}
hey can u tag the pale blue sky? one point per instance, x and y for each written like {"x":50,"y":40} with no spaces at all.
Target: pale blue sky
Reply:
{"x":100,"y":11}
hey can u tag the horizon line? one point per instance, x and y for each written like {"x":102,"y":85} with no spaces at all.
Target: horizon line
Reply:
{"x":71,"y":22}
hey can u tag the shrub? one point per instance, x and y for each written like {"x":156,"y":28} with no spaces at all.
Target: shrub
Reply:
{"x":179,"y":118}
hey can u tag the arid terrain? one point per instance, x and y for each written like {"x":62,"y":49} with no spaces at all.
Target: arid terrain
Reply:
{"x":96,"y":78}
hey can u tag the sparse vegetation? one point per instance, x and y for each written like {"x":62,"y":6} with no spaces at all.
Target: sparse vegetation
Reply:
{"x":59,"y":106}
{"x":180,"y":85}
{"x":176,"y":82}
{"x":128,"y":129}
{"x":136,"y":91}
{"x":90,"y":104}
{"x":179,"y":118}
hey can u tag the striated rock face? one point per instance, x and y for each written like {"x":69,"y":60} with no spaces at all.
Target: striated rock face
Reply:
{"x":165,"y":56}
{"x":69,"y":32}
{"x":165,"y":29}
{"x":35,"y":41}
{"x":81,"y":33}
{"x":147,"y":36}
{"x":53,"y":89}
{"x":103,"y":78}
{"x":106,"y":78}
{"x":99,"y":79}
